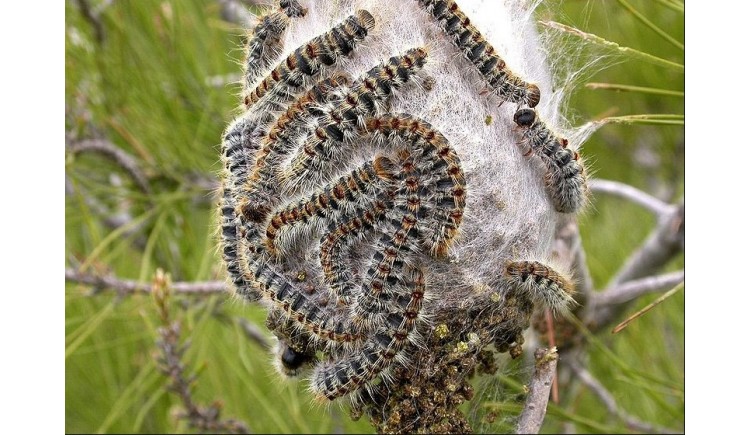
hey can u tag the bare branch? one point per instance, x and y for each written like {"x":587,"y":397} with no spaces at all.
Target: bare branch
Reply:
{"x":631,"y":193}
{"x":124,"y":286}
{"x":534,"y":410}
{"x":632,"y":290}
{"x":111,"y":219}
{"x":254,"y":333}
{"x":605,"y":306}
{"x":551,"y":341}
{"x":609,"y":401}
{"x":662,"y":245}
{"x":108,"y":149}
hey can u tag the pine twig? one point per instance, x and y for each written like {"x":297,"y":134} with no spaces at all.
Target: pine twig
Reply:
{"x":206,"y":419}
{"x":631,"y":88}
{"x":648,"y":23}
{"x":599,"y":41}
{"x":634,"y":289}
{"x":664,"y":242}
{"x":605,"y":306}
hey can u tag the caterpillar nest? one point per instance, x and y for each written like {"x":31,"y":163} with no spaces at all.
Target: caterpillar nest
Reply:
{"x":390,"y":194}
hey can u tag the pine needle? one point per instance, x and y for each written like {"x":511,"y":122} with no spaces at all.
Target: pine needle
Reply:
{"x":647,"y":308}
{"x":673,"y":4}
{"x":598,"y":40}
{"x":642,"y":18}
{"x":649,"y":118}
{"x":640,"y":89}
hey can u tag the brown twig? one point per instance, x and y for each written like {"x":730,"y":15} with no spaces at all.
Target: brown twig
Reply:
{"x":609,"y":401}
{"x":124,"y":286}
{"x":534,"y":410}
{"x":204,"y":419}
{"x":551,"y":341}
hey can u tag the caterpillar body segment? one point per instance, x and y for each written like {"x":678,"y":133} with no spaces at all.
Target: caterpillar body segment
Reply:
{"x":308,"y":60}
{"x":385,"y":277}
{"x":345,"y":197}
{"x":334,"y":244}
{"x":290,"y":127}
{"x":383,"y":347}
{"x":565,"y":179}
{"x":236,"y":146}
{"x":254,"y":197}
{"x":542,"y":284}
{"x":340,"y":122}
{"x":383,"y":307}
{"x":263,"y":46}
{"x":477,"y":50}
{"x":298,"y":306}
{"x":292,"y":8}
{"x":440,"y":167}
{"x":229,"y":235}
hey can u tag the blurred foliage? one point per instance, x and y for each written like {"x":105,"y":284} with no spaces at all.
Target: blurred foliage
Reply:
{"x":146,"y":85}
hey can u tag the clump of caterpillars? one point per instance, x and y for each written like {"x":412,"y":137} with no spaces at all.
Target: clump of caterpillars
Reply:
{"x":348,"y":250}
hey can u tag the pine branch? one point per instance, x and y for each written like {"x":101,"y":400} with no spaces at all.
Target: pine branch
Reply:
{"x":117,"y":155}
{"x":637,"y":196}
{"x":534,"y":410}
{"x":610,"y":403}
{"x":124,"y":287}
{"x":665,"y":241}
{"x":206,"y":419}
